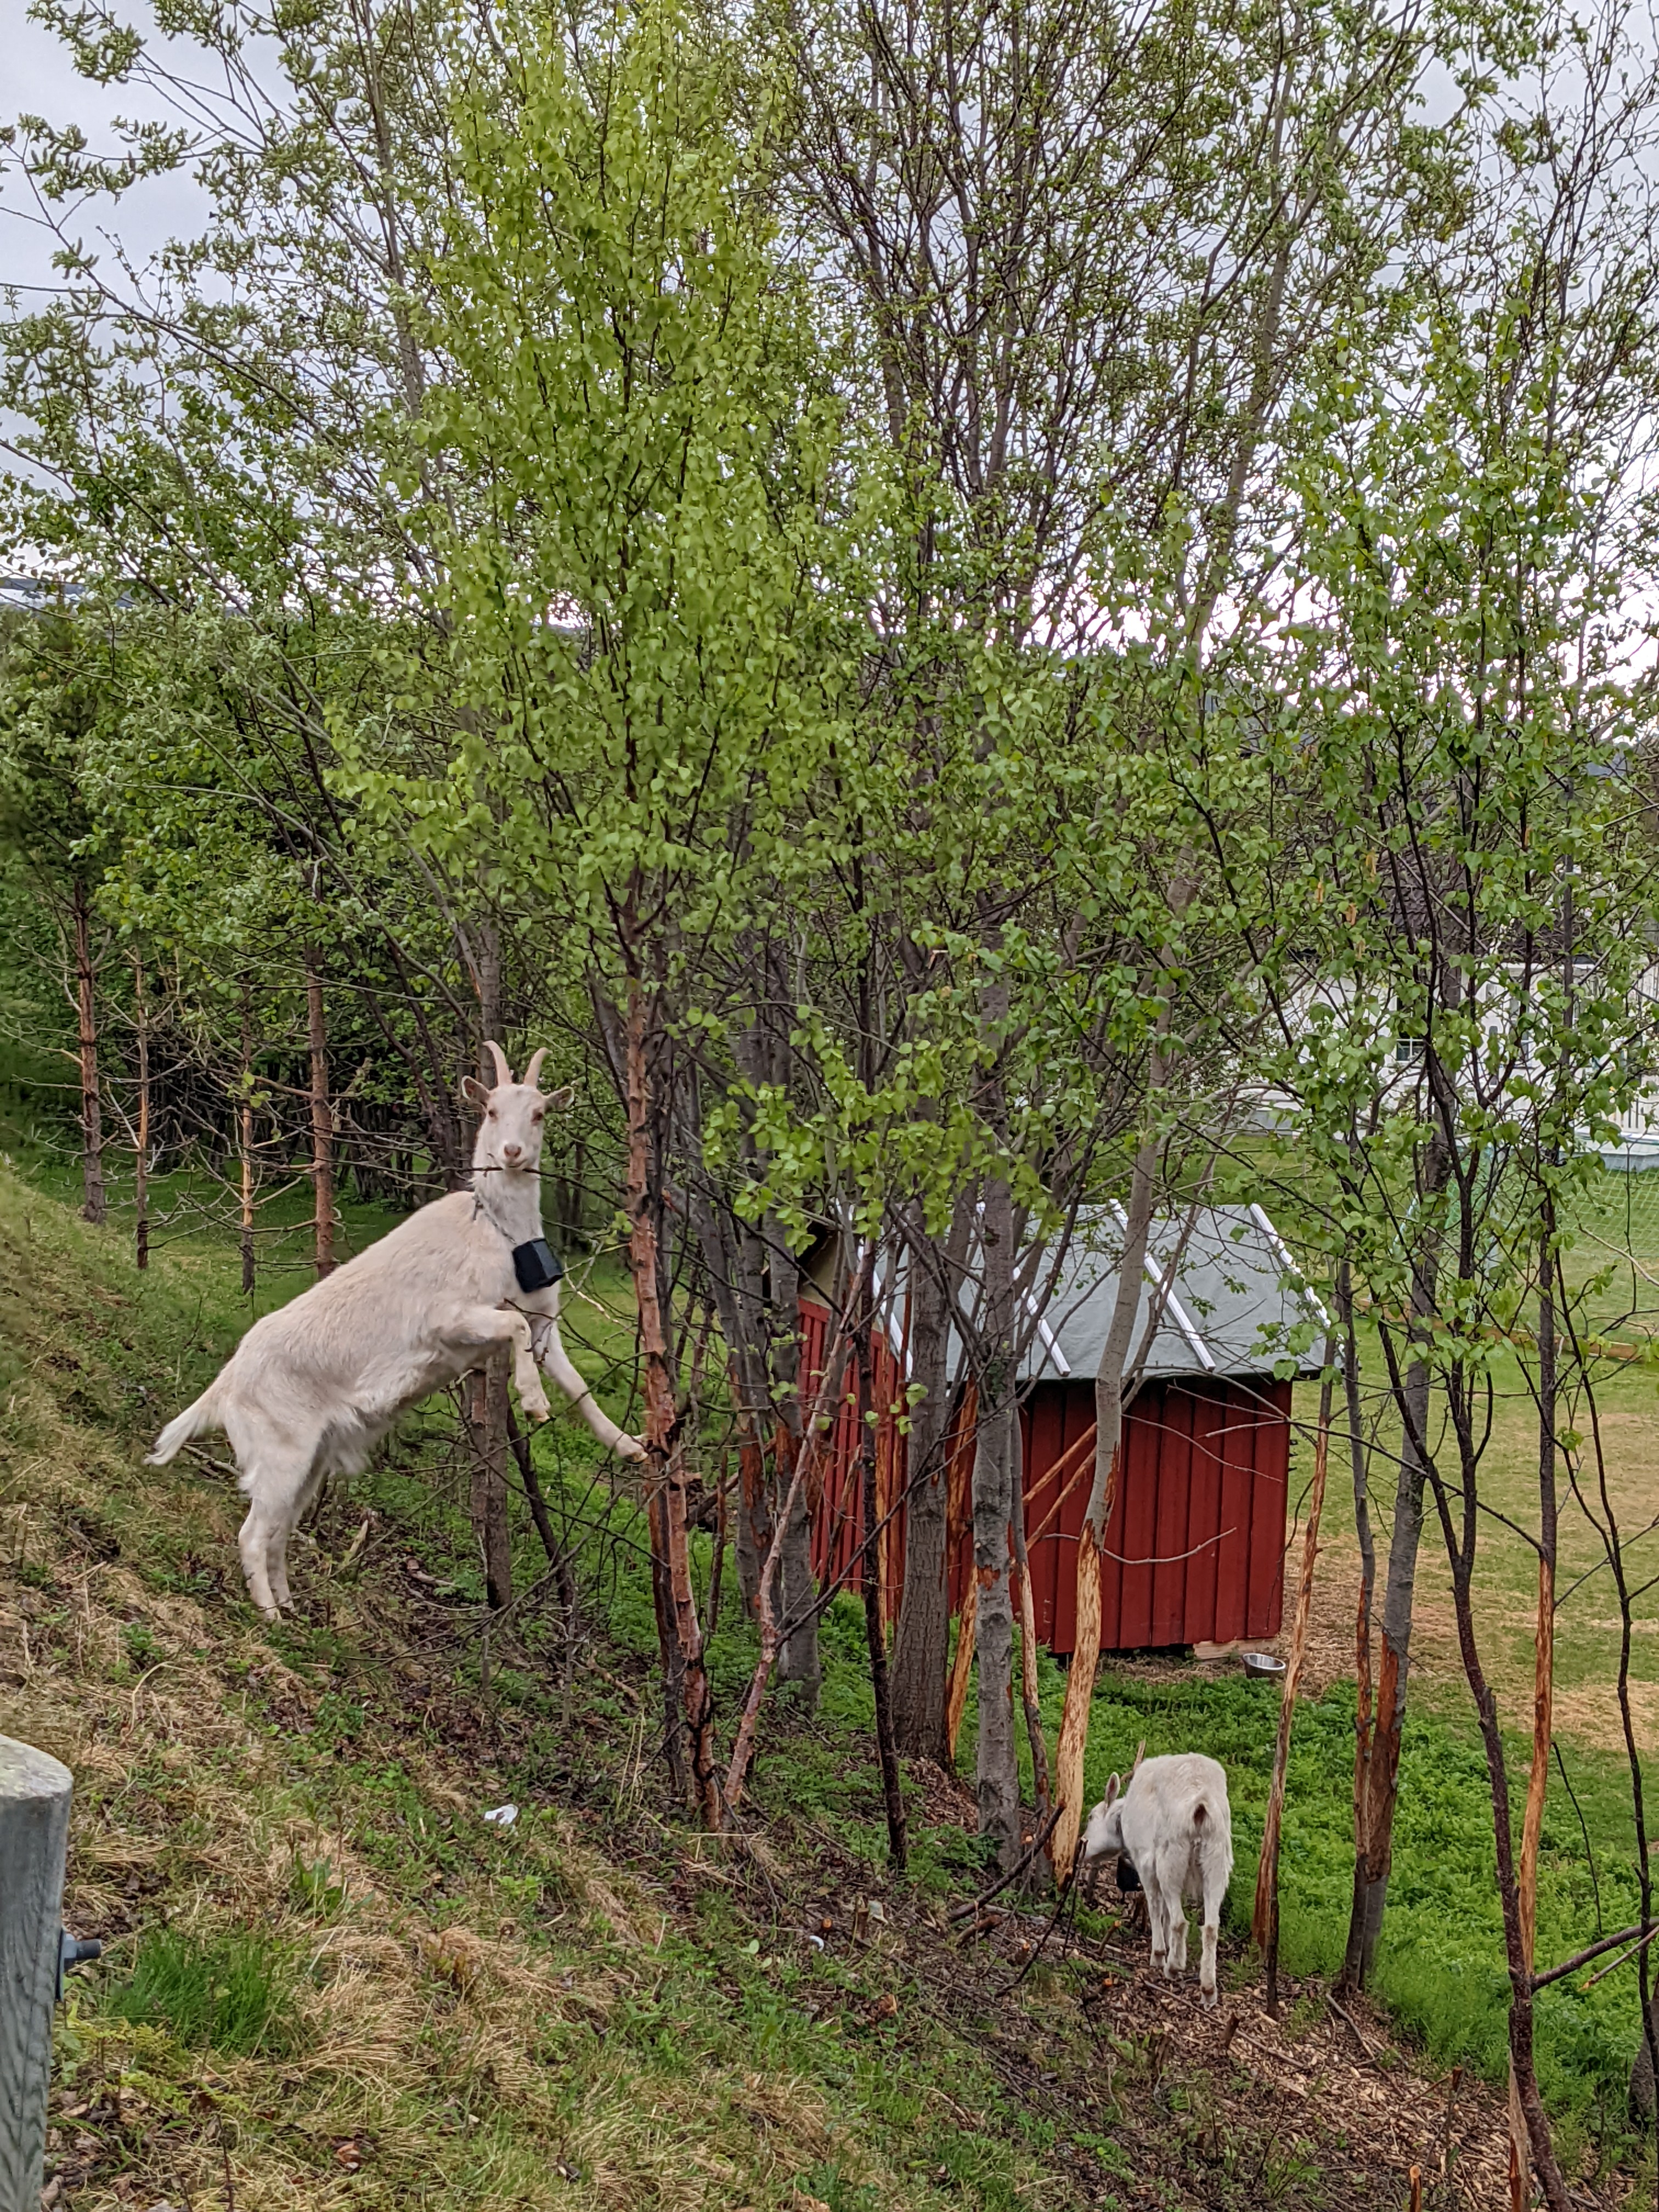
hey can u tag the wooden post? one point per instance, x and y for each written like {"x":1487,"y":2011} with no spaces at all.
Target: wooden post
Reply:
{"x":34,"y":1814}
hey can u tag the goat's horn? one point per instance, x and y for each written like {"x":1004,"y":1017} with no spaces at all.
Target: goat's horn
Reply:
{"x":503,"y":1073}
{"x":535,"y":1066}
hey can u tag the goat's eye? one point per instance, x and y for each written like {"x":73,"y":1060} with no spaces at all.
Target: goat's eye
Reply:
{"x":491,"y":1115}
{"x":537,"y":1118}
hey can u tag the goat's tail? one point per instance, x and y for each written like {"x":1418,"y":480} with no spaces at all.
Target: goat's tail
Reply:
{"x":1201,"y":1814}
{"x":194,"y":1421}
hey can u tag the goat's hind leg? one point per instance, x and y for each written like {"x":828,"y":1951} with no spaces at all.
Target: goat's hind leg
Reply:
{"x":1153,"y":1892}
{"x":280,"y":1537}
{"x":1169,"y":1868}
{"x":277,"y":1482}
{"x":1177,"y":1959}
{"x":1215,"y":1888}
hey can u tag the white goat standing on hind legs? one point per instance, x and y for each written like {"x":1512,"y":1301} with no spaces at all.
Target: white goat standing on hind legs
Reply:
{"x":1175,"y":1826}
{"x":312,"y":1388}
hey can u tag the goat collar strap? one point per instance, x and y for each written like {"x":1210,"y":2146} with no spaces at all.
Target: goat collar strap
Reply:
{"x":537,"y":1265}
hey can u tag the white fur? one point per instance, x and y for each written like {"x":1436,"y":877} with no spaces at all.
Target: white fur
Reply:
{"x":312,"y":1388}
{"x":1176,"y":1827}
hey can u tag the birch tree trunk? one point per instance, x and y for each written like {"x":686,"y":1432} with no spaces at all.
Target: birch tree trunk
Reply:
{"x":322,"y":1123}
{"x":489,"y":1491}
{"x":245,"y":1144}
{"x":1265,"y":1922}
{"x":1364,"y":1711}
{"x":141,"y":1140}
{"x":665,"y":1480}
{"x":1383,"y":1767}
{"x":996,"y":1471}
{"x":875,"y":1637}
{"x":490,"y":1406}
{"x":1029,"y":1683}
{"x":1097,"y":1516}
{"x":95,"y":1203}
{"x":1543,"y":1696}
{"x":798,"y":1659}
{"x":754,"y":1383}
{"x":921,"y":1646}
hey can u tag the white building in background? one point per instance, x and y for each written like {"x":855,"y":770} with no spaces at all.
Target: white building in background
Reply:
{"x":1635,"y":1148}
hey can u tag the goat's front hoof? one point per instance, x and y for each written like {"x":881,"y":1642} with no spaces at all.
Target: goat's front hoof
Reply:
{"x":1208,"y":1999}
{"x":539,"y":1409}
{"x":629,"y":1448}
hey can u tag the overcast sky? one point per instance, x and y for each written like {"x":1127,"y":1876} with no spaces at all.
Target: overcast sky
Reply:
{"x":38,"y":79}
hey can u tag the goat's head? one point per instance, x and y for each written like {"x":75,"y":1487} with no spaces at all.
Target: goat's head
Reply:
{"x":1104,"y":1833}
{"x":514,"y":1114}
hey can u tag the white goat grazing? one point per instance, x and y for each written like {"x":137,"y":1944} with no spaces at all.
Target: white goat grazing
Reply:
{"x":312,"y":1388}
{"x":1174,"y":1824}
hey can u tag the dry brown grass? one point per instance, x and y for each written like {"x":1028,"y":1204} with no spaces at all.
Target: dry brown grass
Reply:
{"x":442,"y":2052}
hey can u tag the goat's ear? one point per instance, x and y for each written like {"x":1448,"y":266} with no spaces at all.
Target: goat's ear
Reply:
{"x":503,"y":1073}
{"x":559,"y":1100}
{"x":1113,"y":1791}
{"x":473,"y":1091}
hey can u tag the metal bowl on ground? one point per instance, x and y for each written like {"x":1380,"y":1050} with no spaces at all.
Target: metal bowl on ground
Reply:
{"x":1263,"y":1664}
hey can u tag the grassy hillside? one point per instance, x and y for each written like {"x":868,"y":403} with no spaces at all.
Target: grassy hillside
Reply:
{"x":327,"y":1979}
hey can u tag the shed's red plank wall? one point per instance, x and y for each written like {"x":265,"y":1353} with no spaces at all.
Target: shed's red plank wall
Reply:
{"x":1196,"y":1538}
{"x":1197,"y":1531}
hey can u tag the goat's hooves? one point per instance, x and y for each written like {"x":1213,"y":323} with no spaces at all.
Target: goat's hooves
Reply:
{"x":1208,"y":1999}
{"x":629,"y":1448}
{"x":538,"y":1413}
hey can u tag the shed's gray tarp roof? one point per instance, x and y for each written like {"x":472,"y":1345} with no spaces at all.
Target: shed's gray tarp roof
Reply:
{"x":1235,"y":1301}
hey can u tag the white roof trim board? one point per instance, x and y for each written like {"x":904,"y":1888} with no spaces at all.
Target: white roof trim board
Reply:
{"x":1237,"y":1296}
{"x":1172,"y":1305}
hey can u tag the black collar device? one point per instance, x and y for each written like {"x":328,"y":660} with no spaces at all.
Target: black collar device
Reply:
{"x":537,"y":1265}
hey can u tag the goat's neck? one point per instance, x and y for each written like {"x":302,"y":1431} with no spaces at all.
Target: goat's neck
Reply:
{"x":513,"y":1202}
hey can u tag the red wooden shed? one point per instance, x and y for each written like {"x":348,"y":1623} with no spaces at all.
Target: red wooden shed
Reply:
{"x":1197,"y":1537}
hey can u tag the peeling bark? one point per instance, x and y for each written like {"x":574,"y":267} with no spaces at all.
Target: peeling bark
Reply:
{"x":666,"y":1481}
{"x":996,"y":1473}
{"x":921,"y":1647}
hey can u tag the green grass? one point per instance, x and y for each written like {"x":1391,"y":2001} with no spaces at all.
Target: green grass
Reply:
{"x":1440,"y":1965}
{"x":323,"y":1781}
{"x":231,"y":1992}
{"x":278,"y":1833}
